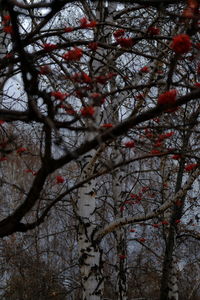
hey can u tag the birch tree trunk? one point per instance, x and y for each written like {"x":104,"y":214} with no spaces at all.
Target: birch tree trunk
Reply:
{"x":90,"y":258}
{"x":169,"y":282}
{"x":117,"y":187}
{"x":90,"y":255}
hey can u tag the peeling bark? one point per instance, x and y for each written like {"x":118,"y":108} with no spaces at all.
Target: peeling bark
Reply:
{"x":90,"y":256}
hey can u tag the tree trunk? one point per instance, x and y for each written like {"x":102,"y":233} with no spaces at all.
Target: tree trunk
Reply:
{"x":169,"y":286}
{"x":169,"y":282}
{"x":122,"y":287}
{"x":121,"y":243}
{"x":90,"y":256}
{"x":90,"y":259}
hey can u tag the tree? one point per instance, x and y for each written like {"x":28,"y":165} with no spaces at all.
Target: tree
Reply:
{"x":109,"y":99}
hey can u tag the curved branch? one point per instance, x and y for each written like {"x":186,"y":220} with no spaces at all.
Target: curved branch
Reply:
{"x":130,"y":220}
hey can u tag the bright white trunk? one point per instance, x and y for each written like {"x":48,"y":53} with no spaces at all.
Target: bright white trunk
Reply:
{"x":90,"y":260}
{"x":173,"y":281}
{"x":89,"y":252}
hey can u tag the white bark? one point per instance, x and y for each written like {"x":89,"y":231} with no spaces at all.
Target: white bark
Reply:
{"x":89,"y":252}
{"x":173,"y":281}
{"x":117,"y":184}
{"x":90,"y":259}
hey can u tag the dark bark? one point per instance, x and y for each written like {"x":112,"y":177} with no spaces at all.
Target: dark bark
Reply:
{"x":176,"y":215}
